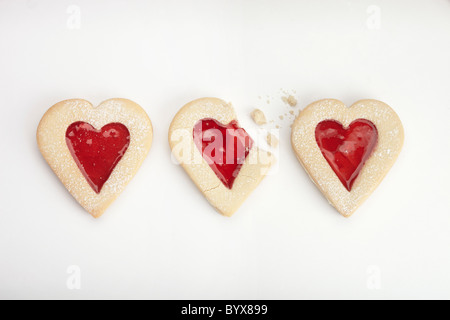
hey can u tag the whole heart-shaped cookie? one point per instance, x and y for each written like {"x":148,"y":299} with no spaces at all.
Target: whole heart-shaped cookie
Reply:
{"x":219,"y":156}
{"x":347,"y":151}
{"x":95,"y":152}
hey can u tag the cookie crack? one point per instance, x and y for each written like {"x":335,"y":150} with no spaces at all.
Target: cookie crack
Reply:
{"x":250,"y":177}
{"x":211,"y":189}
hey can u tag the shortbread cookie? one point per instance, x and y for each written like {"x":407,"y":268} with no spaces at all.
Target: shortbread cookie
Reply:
{"x":347,"y":151}
{"x":201,"y":137}
{"x":95,"y":152}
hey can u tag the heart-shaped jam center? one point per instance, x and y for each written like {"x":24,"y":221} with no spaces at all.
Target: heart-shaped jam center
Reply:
{"x":347,"y":149}
{"x":97,"y":152}
{"x":224,"y":147}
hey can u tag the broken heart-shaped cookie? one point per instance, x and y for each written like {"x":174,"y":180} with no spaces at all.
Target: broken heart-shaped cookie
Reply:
{"x":219,"y":156}
{"x":347,"y":151}
{"x":95,"y":152}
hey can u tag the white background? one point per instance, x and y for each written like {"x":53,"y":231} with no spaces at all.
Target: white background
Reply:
{"x":161,"y":238}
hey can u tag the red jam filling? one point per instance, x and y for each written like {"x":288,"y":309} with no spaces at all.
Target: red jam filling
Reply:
{"x":347,"y":149}
{"x":224,"y":147}
{"x":97,"y":152}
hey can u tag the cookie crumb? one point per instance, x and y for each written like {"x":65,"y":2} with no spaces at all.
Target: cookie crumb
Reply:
{"x":281,"y":117}
{"x":290,"y":100}
{"x":272,"y":140}
{"x":291,"y":112}
{"x":259,"y":117}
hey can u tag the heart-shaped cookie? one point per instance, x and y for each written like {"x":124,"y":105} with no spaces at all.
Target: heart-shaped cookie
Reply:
{"x":95,"y":152}
{"x":347,"y":151}
{"x":219,"y":156}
